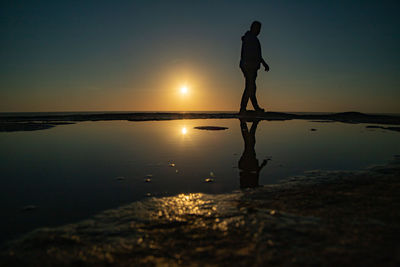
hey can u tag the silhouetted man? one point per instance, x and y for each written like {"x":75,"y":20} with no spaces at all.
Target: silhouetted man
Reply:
{"x":248,"y":163}
{"x":249,"y":64}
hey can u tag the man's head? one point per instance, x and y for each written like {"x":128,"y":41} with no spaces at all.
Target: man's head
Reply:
{"x":255,"y":27}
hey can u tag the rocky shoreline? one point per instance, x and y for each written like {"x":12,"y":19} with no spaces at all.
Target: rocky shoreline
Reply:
{"x":40,"y":122}
{"x":324,"y":218}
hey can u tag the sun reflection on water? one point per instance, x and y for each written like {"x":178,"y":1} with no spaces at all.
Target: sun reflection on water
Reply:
{"x":195,"y":208}
{"x":184,"y":204}
{"x":184,"y":130}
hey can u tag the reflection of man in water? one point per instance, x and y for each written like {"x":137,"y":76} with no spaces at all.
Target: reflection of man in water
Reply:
{"x":249,"y":64}
{"x":248,"y":163}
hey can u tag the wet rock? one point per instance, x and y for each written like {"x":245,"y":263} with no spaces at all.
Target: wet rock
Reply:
{"x":29,"y":208}
{"x":23,"y":126}
{"x":391,"y":128}
{"x":323,"y":218}
{"x":211,"y":128}
{"x":9,"y":126}
{"x":323,"y":121}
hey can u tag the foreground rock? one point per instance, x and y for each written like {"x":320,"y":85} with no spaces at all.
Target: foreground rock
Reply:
{"x":28,"y":126}
{"x":322,"y":218}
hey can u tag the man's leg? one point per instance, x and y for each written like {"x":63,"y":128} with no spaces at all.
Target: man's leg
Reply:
{"x":252,"y":76}
{"x":246,"y":95}
{"x":245,"y":99}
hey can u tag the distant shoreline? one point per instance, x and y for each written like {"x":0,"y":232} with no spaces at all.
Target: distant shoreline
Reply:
{"x":46,"y":121}
{"x":58,"y":113}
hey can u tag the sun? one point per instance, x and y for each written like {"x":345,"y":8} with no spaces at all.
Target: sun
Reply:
{"x":184,"y":90}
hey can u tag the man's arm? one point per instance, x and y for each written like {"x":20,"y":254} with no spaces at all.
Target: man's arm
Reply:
{"x":265,"y":64}
{"x":261,"y":58}
{"x":262,"y":165}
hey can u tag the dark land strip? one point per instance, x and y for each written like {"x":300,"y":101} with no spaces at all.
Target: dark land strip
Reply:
{"x":30,"y":123}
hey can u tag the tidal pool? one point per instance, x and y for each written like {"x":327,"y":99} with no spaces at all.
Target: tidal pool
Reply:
{"x":70,"y":172}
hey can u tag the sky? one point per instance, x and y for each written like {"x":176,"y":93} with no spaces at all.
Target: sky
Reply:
{"x":325,"y":56}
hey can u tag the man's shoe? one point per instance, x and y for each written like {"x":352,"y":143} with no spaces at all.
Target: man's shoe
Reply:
{"x":260,"y":110}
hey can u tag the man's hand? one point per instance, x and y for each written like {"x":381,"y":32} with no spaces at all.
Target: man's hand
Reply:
{"x":265,"y":64}
{"x":266,"y":67}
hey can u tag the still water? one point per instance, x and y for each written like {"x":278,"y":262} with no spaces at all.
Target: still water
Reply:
{"x":70,"y":172}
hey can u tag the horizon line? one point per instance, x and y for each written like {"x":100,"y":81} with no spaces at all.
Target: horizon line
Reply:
{"x":188,"y":111}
